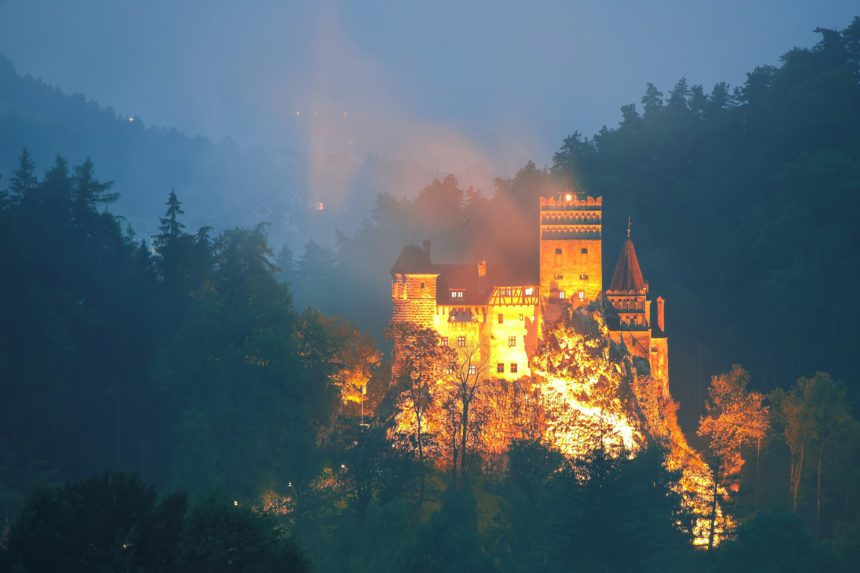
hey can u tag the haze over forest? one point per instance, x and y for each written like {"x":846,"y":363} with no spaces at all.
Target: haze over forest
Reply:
{"x":196,"y":311}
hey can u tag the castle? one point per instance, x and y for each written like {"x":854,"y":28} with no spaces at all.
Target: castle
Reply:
{"x":500,"y":318}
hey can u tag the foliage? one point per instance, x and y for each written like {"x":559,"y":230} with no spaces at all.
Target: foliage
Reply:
{"x":735,"y":418}
{"x":110,"y":522}
{"x":114,"y":522}
{"x":773,"y":541}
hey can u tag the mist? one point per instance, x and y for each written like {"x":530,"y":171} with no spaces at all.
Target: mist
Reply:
{"x":347,"y":101}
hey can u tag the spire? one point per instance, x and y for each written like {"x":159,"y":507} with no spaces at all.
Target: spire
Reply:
{"x":628,"y":275}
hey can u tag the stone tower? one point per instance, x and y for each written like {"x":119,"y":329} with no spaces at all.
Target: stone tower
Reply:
{"x":413,"y":292}
{"x":570,"y":252}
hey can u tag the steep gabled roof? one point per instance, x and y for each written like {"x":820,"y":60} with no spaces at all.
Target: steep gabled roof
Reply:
{"x":628,"y":275}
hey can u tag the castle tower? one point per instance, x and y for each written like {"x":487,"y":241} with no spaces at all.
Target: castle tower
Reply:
{"x":628,"y":314}
{"x":570,"y":252}
{"x":413,"y":291}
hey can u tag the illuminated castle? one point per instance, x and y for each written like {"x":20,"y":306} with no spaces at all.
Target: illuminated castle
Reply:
{"x":499,"y":318}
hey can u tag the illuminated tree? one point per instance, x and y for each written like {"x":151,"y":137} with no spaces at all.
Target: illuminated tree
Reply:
{"x":355,"y":358}
{"x":424,"y":367}
{"x":468,"y":373}
{"x":734,"y":419}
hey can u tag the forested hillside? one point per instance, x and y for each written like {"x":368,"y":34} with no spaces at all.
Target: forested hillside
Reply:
{"x":223,"y":184}
{"x":180,"y":355}
{"x":744,"y":203}
{"x":183,"y":359}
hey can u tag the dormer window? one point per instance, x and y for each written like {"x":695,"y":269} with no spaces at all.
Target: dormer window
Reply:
{"x":457,"y":294}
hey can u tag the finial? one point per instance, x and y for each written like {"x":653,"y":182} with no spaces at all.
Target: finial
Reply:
{"x":628,"y":227}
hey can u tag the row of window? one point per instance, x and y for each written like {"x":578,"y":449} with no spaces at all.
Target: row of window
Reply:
{"x":580,"y":294}
{"x":583,"y":250}
{"x":502,"y":318}
{"x":461,"y":340}
{"x":500,"y":368}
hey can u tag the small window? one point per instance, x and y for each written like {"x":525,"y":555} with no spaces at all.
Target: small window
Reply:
{"x":444,"y":341}
{"x":558,"y":251}
{"x":457,"y":294}
{"x":449,"y":371}
{"x":581,"y":295}
{"x":512,"y":341}
{"x":472,"y":369}
{"x":461,"y":341}
{"x":501,"y":319}
{"x":422,"y":285}
{"x":500,"y":367}
{"x":522,"y":317}
{"x":561,"y":294}
{"x":513,"y":367}
{"x":558,"y":277}
{"x":584,"y":250}
{"x":529,"y":291}
{"x":583,"y":277}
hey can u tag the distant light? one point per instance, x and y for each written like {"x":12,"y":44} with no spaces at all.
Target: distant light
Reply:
{"x":235,"y":503}
{"x":131,"y":119}
{"x":289,"y":484}
{"x":343,"y":466}
{"x":298,"y":113}
{"x":320,"y":206}
{"x":345,"y":114}
{"x":568,"y":197}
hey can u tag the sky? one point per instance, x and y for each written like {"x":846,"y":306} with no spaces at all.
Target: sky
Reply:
{"x":459,"y":85}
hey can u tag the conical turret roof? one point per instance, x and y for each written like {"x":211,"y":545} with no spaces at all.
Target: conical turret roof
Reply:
{"x":628,"y":275}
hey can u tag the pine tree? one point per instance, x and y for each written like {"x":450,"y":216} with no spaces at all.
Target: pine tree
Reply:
{"x":24,"y":181}
{"x":678,"y":96}
{"x":652,"y":101}
{"x":89,"y":191}
{"x":171,"y":228}
{"x":4,"y":195}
